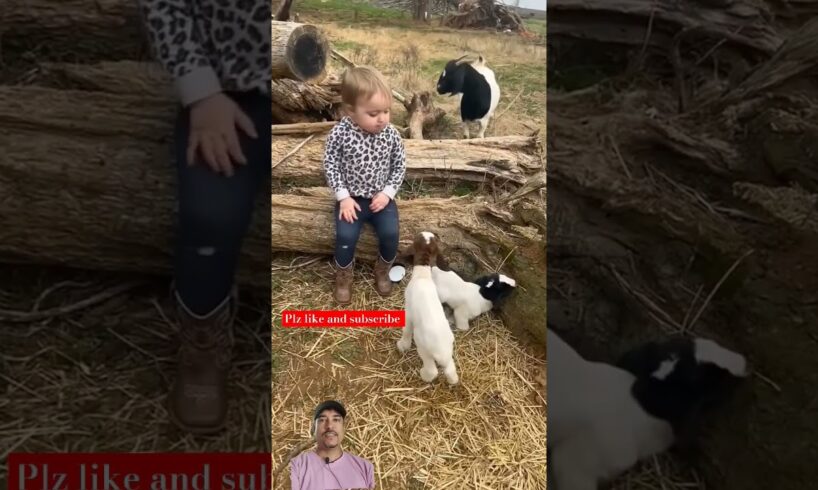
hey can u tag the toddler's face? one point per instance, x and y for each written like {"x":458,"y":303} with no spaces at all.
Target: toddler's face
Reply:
{"x":372,"y":115}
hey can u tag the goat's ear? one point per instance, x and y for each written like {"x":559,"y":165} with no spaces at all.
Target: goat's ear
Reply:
{"x":406,"y":254}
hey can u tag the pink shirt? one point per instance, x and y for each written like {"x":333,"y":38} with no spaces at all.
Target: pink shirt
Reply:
{"x":308,"y":471}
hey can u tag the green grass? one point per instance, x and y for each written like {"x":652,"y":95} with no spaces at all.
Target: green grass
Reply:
{"x":358,"y":11}
{"x":530,"y":78}
{"x":536,"y":25}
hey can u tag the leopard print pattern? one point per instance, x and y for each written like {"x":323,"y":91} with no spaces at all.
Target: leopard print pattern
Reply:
{"x":361,"y":164}
{"x":231,"y":37}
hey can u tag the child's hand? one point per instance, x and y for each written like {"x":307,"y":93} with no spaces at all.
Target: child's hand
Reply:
{"x":379,"y":202}
{"x":213,"y":124}
{"x":347,"y":212}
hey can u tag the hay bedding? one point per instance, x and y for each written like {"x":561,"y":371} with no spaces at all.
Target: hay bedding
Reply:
{"x":488,"y":432}
{"x":96,"y":379}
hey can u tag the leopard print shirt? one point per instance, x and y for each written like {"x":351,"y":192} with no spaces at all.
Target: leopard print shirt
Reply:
{"x":210,"y":46}
{"x":361,"y":164}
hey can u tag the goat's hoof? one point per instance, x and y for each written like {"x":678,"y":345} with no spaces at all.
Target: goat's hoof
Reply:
{"x":403,"y":346}
{"x":427,"y":377}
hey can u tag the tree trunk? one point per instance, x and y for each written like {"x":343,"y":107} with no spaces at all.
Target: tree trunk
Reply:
{"x":283,"y":12}
{"x":299,"y":51}
{"x":422,"y":113}
{"x":499,"y":159}
{"x":75,"y":30}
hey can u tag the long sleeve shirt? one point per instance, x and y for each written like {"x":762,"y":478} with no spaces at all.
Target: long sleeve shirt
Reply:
{"x":209,"y":46}
{"x":362,"y":164}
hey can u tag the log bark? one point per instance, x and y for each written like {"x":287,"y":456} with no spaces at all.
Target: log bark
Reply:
{"x":741,"y":27}
{"x":283,"y":12}
{"x":294,"y":101}
{"x":75,"y":30}
{"x":498,"y":159}
{"x":299,"y":51}
{"x":302,"y":128}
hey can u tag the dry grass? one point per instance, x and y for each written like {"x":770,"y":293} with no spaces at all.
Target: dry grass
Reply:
{"x":413,"y":60}
{"x":96,"y":379}
{"x":488,"y":432}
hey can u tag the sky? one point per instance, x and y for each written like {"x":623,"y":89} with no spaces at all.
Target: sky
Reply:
{"x":530,"y":4}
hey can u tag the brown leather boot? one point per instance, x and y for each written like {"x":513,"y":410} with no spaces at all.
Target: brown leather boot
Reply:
{"x":198,"y":398}
{"x":382,"y":282}
{"x":343,"y":283}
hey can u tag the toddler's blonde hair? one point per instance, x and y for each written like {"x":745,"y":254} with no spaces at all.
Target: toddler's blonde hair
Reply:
{"x":362,"y":82}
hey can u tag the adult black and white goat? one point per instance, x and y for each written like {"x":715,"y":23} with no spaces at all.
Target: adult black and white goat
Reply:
{"x":469,"y":300}
{"x":481,"y":94}
{"x":603,"y":419}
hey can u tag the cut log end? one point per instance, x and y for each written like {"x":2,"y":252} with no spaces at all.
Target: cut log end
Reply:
{"x":307,"y":52}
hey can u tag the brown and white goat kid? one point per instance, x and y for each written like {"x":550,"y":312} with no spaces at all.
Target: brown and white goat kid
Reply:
{"x":426,"y":321}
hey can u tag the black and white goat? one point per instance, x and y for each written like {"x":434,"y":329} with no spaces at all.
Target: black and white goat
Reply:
{"x":481,"y":94}
{"x":469,"y":300}
{"x":603,"y":419}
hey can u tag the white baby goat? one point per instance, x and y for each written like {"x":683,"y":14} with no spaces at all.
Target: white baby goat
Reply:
{"x":469,"y":300}
{"x":426,"y":321}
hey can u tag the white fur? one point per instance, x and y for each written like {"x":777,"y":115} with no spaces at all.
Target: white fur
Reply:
{"x":596,"y":429}
{"x":462,"y":296}
{"x":426,"y":323}
{"x":488,"y":73}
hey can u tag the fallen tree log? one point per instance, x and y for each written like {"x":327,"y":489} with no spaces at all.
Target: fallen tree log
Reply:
{"x":76,"y":30}
{"x":467,"y":228}
{"x":498,"y":159}
{"x":87,"y":181}
{"x":299,"y":51}
{"x":302,"y":128}
{"x":292,"y":100}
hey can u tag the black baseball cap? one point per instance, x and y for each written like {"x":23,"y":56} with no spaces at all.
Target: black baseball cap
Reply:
{"x":329,"y":404}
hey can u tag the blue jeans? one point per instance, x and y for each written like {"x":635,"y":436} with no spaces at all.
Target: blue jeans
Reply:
{"x":215,"y":211}
{"x":385,"y":223}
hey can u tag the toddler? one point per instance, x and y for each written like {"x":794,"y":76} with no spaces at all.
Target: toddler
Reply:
{"x":365,"y":166}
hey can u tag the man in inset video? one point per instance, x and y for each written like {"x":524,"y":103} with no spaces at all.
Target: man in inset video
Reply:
{"x":328,"y":466}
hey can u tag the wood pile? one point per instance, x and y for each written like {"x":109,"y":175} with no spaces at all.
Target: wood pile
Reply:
{"x":484,"y":14}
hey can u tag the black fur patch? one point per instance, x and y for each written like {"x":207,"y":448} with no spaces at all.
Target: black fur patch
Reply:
{"x":493,"y":289}
{"x":464,"y":79}
{"x":687,"y":389}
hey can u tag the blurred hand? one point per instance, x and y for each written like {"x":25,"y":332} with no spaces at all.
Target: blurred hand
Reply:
{"x":213,"y":133}
{"x":348,"y":207}
{"x":379,"y":202}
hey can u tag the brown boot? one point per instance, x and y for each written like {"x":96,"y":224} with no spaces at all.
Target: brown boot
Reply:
{"x":198,"y":398}
{"x":382,"y":282}
{"x":343,"y":283}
